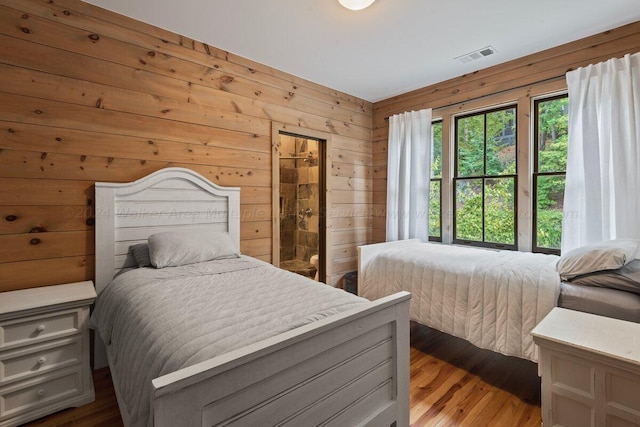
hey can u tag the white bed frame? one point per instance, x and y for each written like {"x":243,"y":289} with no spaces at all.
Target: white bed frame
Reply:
{"x":346,"y":370}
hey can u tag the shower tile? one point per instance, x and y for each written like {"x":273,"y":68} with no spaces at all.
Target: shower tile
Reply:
{"x":303,"y":176}
{"x":314,"y":174}
{"x":313,"y":191}
{"x":286,"y":253}
{"x":312,"y":226}
{"x":287,"y":164}
{"x":288,"y":223}
{"x":301,"y":238}
{"x":289,"y":207}
{"x":303,"y":191}
{"x":312,"y":240}
{"x":288,"y":190}
{"x":288,"y":175}
{"x":287,"y":144}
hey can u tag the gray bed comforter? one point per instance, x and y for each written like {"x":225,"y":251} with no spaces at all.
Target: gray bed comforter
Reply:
{"x":493,"y":299}
{"x":158,"y":321}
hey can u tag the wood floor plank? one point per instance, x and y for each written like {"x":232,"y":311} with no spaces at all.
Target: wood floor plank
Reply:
{"x":453,"y":384}
{"x":492,"y":390}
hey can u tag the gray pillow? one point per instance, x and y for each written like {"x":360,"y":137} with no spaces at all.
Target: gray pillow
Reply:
{"x":174,"y":248}
{"x":140,"y":253}
{"x":626,"y":278}
{"x":609,"y":255}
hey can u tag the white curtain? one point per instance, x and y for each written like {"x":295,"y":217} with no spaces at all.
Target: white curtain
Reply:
{"x":602,"y":192}
{"x":408,"y":173}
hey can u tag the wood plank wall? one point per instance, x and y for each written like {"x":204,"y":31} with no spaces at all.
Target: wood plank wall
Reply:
{"x":527,"y":72}
{"x":89,"y":95}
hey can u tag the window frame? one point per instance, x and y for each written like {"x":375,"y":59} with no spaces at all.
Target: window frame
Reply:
{"x":439,"y":179}
{"x":535,"y":174}
{"x":484,"y":178}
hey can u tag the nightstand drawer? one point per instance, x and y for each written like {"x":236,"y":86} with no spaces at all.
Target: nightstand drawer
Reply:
{"x":26,"y":362}
{"x":30,"y":395}
{"x":30,"y":330}
{"x":44,"y":351}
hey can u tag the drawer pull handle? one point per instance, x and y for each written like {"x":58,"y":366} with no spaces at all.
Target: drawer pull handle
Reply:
{"x":40,"y":328}
{"x":42,"y":360}
{"x":41,"y":392}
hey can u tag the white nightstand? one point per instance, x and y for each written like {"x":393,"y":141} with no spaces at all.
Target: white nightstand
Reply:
{"x":590,"y":369}
{"x":44,"y":351}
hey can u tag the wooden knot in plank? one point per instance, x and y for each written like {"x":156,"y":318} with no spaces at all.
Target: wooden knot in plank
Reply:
{"x":35,"y":241}
{"x":10,"y":218}
{"x":38,"y":230}
{"x":94,"y":37}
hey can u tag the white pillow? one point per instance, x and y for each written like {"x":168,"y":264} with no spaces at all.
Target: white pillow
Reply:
{"x":609,"y":255}
{"x":175,"y":248}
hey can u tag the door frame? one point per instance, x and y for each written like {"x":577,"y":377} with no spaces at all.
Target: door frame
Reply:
{"x":324,"y":139}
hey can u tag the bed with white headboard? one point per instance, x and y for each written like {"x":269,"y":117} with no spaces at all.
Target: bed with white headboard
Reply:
{"x":165,"y":200}
{"x":293,"y":366}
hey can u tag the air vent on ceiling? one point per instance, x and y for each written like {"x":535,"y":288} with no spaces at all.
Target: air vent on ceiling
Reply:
{"x":476,"y":54}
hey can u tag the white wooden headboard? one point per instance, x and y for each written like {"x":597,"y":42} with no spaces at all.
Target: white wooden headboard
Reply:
{"x":128,"y":213}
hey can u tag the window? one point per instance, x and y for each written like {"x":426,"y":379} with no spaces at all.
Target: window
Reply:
{"x":435,"y":184}
{"x":485,"y":182}
{"x":549,"y":170}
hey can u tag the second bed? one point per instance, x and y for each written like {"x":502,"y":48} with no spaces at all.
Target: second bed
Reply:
{"x":493,"y":298}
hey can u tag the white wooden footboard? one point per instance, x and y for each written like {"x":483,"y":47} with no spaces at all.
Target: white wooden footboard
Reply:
{"x":346,"y":370}
{"x":367,"y":253}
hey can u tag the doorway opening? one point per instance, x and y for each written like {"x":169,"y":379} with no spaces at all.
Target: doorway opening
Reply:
{"x":301,"y":205}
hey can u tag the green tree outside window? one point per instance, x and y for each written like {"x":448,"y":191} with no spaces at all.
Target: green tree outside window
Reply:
{"x":485,"y":179}
{"x":550,"y":165}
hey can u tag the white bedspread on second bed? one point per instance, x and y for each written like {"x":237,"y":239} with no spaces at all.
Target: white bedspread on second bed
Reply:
{"x":159,"y":321}
{"x":493,"y":299}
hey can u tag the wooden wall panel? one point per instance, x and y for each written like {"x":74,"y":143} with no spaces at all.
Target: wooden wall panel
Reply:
{"x":89,"y":95}
{"x":530,"y":73}
{"x":351,"y":198}
{"x":42,"y":272}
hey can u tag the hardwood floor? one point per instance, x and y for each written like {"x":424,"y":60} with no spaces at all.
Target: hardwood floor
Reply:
{"x":453,"y":383}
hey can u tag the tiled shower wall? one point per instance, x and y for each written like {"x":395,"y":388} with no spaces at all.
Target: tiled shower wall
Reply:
{"x":299,"y":191}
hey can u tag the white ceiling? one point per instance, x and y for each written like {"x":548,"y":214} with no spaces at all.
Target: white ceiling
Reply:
{"x":390,"y":48}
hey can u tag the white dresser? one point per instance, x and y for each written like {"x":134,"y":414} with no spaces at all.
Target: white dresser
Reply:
{"x":590,"y":369}
{"x":44,"y":351}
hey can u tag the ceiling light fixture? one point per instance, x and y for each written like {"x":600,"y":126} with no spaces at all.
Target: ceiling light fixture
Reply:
{"x":356,"y":4}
